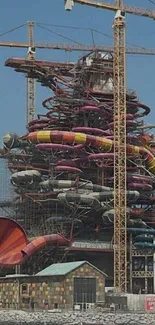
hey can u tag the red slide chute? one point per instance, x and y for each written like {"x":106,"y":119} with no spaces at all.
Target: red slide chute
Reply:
{"x":15,"y":247}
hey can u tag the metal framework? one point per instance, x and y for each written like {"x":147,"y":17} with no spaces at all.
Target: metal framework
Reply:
{"x":120,"y":251}
{"x":31,"y":82}
{"x":120,"y":228}
{"x":141,"y":274}
{"x":78,"y":47}
{"x":120,"y":231}
{"x":114,"y":7}
{"x":70,"y":84}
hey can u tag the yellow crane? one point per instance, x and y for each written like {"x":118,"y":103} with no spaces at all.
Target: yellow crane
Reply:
{"x":113,"y":7}
{"x":119,"y":75}
{"x":80,"y":47}
{"x":119,"y":91}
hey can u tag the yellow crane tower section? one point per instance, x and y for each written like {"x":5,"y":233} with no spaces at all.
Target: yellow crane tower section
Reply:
{"x":119,"y":91}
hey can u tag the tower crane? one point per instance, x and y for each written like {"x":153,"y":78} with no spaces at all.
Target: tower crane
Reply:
{"x":120,"y":223}
{"x":119,"y":75}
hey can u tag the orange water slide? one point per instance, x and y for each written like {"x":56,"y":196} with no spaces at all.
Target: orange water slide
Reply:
{"x":15,"y":247}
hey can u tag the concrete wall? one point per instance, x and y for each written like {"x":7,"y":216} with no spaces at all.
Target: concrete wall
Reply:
{"x":137,"y":302}
{"x":132,"y":302}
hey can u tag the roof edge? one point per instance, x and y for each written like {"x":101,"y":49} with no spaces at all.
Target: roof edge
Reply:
{"x":94,"y":267}
{"x":79,"y":265}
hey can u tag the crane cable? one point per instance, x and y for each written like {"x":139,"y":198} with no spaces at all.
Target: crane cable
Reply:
{"x":12,"y":29}
{"x":80,"y":28}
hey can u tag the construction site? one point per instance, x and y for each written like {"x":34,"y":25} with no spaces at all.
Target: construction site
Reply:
{"x":83,"y":175}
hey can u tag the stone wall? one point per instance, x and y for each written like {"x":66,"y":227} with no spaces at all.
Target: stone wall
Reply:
{"x":47,"y":292}
{"x":9,"y":294}
{"x":41,"y":292}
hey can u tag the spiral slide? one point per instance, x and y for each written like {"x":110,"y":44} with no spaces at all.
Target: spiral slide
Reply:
{"x":62,"y":169}
{"x":15,"y":247}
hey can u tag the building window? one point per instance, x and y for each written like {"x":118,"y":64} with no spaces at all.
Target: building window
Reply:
{"x":24,"y":289}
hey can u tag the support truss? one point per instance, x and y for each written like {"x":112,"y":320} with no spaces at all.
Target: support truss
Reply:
{"x":120,"y":235}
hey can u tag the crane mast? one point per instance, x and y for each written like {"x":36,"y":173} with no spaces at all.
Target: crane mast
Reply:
{"x":120,"y":231}
{"x":31,"y":82}
{"x":119,"y":90}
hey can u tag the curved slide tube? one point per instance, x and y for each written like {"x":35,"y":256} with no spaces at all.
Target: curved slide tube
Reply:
{"x":94,"y":199}
{"x":61,"y":184}
{"x":88,"y":200}
{"x":27,"y":176}
{"x":53,"y":146}
{"x":89,"y":140}
{"x":21,"y":177}
{"x":12,"y":240}
{"x":14,"y":246}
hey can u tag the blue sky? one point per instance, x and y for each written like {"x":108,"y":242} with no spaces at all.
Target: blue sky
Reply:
{"x":140,"y":32}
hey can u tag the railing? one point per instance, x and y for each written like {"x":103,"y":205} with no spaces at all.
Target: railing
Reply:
{"x":98,"y":245}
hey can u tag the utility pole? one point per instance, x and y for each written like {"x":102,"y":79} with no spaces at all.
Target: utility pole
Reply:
{"x":31,"y":82}
{"x":120,"y":188}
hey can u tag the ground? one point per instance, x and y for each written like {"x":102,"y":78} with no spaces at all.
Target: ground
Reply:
{"x":87,"y":318}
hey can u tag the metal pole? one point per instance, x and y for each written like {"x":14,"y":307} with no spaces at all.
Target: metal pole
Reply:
{"x":31,"y":82}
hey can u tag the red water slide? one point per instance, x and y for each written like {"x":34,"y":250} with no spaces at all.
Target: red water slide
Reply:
{"x":15,"y":247}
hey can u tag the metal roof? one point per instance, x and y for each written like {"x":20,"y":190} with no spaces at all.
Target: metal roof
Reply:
{"x":64,"y":268}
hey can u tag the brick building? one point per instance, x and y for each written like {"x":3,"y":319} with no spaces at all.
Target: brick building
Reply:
{"x":64,"y":285}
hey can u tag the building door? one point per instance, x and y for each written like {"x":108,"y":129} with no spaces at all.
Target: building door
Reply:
{"x":84,"y":292}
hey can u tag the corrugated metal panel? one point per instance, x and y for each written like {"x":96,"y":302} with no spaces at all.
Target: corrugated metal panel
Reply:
{"x":60,"y":268}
